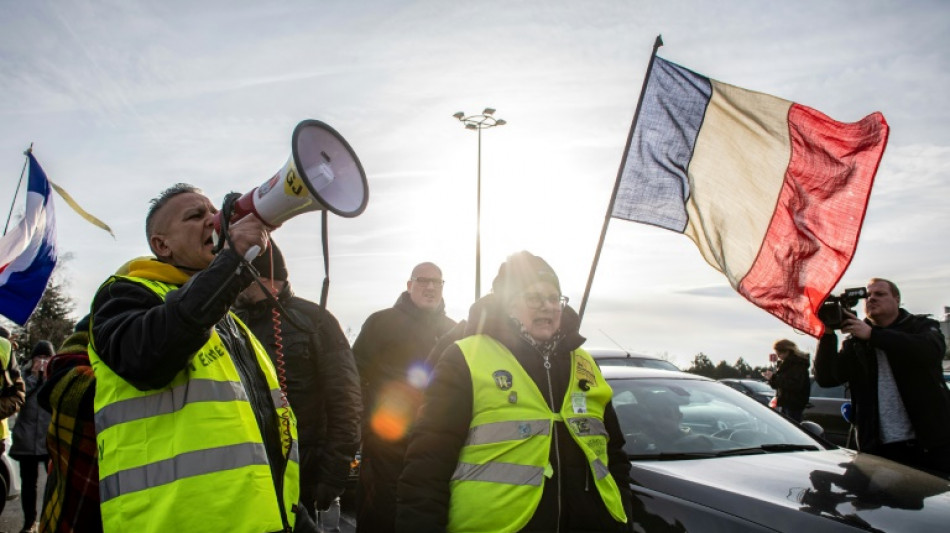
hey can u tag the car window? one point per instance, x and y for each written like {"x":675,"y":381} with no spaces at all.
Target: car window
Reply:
{"x":817,"y":391}
{"x":677,"y":416}
{"x":759,"y":386}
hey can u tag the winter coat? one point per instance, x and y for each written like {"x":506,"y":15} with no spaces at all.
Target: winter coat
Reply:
{"x":443,"y":426}
{"x":32,"y":423}
{"x":914,"y":347}
{"x":147,"y":340}
{"x":323,"y":385}
{"x":791,"y":383}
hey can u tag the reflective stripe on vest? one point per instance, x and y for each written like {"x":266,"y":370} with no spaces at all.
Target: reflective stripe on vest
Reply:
{"x":190,"y":456}
{"x":499,"y":479}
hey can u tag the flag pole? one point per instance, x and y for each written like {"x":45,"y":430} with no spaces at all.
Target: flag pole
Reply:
{"x":15,"y":194}
{"x":613,"y":197}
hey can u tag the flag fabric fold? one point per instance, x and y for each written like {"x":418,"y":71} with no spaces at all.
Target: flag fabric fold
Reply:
{"x":28,"y":252}
{"x":772,"y":193}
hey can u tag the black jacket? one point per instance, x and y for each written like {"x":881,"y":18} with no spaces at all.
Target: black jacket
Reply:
{"x":443,"y":427}
{"x":390,"y":342}
{"x":914,"y":347}
{"x":147,"y":340}
{"x":323,"y":386}
{"x":791,"y":383}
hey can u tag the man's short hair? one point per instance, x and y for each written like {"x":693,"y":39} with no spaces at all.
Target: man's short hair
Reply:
{"x":894,"y":290}
{"x":159,"y":201}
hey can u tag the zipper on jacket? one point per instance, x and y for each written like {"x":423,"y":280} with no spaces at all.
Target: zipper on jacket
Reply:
{"x":554,"y":437}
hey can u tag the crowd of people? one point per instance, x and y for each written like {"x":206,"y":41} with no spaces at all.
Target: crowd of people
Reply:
{"x":201,"y":394}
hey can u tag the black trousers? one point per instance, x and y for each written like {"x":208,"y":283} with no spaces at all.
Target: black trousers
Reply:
{"x":29,"y":475}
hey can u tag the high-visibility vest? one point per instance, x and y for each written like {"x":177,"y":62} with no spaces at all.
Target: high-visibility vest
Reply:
{"x":190,"y":456}
{"x":6,"y":352}
{"x":502,"y":466}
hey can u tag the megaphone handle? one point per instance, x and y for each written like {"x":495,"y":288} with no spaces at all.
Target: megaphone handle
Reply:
{"x":252,"y":253}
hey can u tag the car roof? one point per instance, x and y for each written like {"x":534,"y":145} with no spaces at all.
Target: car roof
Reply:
{"x":602,"y":353}
{"x":636,"y":372}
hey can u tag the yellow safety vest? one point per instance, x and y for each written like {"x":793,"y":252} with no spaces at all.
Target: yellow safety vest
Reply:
{"x":6,"y":352}
{"x":190,"y":456}
{"x":502,"y":466}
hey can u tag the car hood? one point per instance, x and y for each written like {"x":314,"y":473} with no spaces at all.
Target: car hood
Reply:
{"x":861,"y":490}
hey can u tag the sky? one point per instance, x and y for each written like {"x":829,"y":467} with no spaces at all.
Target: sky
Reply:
{"x":121,"y":99}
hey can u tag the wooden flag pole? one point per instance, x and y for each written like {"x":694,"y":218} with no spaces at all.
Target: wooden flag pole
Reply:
{"x":613,"y":197}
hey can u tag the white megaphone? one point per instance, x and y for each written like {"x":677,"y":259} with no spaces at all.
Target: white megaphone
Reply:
{"x":322,"y":173}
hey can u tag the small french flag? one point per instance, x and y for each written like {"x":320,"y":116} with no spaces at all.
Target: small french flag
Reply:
{"x":772,"y":193}
{"x":28,"y":251}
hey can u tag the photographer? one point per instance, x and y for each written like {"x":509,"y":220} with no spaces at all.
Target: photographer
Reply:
{"x":892,"y":362}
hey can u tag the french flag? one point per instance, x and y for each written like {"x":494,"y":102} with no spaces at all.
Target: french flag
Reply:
{"x":28,"y":252}
{"x":772,"y":193}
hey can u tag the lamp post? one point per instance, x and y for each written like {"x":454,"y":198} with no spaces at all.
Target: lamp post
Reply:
{"x":479,"y":122}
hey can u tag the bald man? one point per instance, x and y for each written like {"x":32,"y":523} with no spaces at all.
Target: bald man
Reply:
{"x":390,"y":354}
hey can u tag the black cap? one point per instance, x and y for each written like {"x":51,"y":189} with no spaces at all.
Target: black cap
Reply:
{"x":263,"y":263}
{"x":520,"y":270}
{"x":43,"y":349}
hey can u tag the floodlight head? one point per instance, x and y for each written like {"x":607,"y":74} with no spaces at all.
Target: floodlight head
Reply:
{"x":471,"y":126}
{"x":488,"y":111}
{"x":459,"y":115}
{"x":500,"y":122}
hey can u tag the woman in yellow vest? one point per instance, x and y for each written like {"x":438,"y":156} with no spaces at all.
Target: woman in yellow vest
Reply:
{"x":517,"y":432}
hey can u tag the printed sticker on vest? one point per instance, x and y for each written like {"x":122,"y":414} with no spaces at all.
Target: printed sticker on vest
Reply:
{"x":502,"y":379}
{"x":581,"y":426}
{"x":579,"y":402}
{"x":585,"y":372}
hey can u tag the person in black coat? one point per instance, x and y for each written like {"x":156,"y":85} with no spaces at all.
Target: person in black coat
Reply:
{"x":390,"y":353}
{"x":29,"y":433}
{"x":790,"y":381}
{"x":542,"y":345}
{"x":322,"y":382}
{"x":892,"y":362}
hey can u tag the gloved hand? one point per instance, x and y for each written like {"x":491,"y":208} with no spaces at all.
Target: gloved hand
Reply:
{"x":324,"y":496}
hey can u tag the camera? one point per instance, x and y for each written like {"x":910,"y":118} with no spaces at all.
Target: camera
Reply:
{"x":831,"y":312}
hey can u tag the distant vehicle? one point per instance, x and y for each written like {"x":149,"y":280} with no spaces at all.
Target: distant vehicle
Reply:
{"x":616,"y":357}
{"x":737,"y":466}
{"x":824,"y":408}
{"x":759,"y":390}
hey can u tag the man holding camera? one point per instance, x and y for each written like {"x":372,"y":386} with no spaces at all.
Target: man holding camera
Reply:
{"x":892,"y":362}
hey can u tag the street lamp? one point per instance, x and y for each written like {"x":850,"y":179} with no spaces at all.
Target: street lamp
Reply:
{"x":479,"y":122}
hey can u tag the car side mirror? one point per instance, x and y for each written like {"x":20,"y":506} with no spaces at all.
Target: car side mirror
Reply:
{"x":813,"y":428}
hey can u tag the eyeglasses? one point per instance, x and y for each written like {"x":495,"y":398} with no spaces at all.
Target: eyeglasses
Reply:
{"x":536,"y":300}
{"x":425,"y":282}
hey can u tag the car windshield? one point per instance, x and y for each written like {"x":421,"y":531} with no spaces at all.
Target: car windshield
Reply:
{"x":684,"y":418}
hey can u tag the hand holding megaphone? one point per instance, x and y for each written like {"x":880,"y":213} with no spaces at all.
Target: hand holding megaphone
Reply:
{"x":249,"y":236}
{"x":322,"y":173}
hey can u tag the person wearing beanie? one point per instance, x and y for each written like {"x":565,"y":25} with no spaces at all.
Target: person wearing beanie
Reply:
{"x":517,"y":423}
{"x":29,"y":433}
{"x":71,"y":499}
{"x":390,"y":355}
{"x":323,"y":385}
{"x":12,"y":387}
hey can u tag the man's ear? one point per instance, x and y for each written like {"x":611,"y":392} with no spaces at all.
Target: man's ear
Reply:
{"x":158,"y":245}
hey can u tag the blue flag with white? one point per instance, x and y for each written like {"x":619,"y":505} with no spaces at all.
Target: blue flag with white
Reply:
{"x":28,"y":251}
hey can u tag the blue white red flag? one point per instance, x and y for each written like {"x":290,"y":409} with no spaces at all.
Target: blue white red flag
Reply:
{"x":28,"y":251}
{"x":772,"y":193}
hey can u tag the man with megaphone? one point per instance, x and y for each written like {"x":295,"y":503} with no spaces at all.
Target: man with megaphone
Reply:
{"x":191,"y":428}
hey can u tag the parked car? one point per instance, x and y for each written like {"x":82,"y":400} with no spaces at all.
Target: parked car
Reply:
{"x":759,"y":390}
{"x":616,"y":357}
{"x":825,"y":409}
{"x":737,"y":466}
